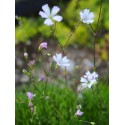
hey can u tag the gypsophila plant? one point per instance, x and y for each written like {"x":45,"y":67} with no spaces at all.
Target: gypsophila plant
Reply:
{"x":44,"y":100}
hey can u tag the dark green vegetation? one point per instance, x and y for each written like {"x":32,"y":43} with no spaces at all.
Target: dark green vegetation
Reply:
{"x":59,"y":108}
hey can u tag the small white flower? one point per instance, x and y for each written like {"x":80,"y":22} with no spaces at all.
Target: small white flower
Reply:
{"x":50,"y":15}
{"x":87,"y":16}
{"x":61,"y":61}
{"x":89,"y":79}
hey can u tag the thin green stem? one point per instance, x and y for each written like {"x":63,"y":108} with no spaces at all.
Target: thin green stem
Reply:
{"x":71,"y":34}
{"x":95,"y":33}
{"x":60,"y":3}
{"x":94,"y":50}
{"x":45,"y":85}
{"x":92,"y":29}
{"x":99,"y":17}
{"x":37,"y":89}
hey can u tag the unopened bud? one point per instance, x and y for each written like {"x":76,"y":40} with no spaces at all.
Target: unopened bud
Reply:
{"x":92,"y":123}
{"x":31,"y":63}
{"x":42,"y":45}
{"x":78,"y":106}
{"x":24,"y":71}
{"x":42,"y":78}
{"x":26,"y":55}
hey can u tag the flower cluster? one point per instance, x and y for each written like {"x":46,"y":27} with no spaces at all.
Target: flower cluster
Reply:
{"x":89,"y":79}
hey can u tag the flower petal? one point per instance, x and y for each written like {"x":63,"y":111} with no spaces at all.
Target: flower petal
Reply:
{"x":83,"y":80}
{"x":43,"y":15}
{"x":55,"y":10}
{"x":48,"y":22}
{"x":84,"y":85}
{"x":46,"y":9}
{"x":59,"y":56}
{"x":66,"y":64}
{"x":89,"y":85}
{"x":95,"y":75}
{"x":57,"y":18}
{"x":91,"y":16}
{"x":88,"y":21}
{"x":86,"y":11}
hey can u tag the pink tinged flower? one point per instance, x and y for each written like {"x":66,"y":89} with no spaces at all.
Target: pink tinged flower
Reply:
{"x":30,"y":95}
{"x":78,"y":113}
{"x":87,"y":16}
{"x":43,"y":45}
{"x":42,"y":77}
{"x":61,"y":61}
{"x":50,"y":16}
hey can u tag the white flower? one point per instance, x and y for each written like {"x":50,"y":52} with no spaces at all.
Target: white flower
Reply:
{"x":89,"y":79}
{"x":50,"y":16}
{"x":61,"y":61}
{"x":87,"y":16}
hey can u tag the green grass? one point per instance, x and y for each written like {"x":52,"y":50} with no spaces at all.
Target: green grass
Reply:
{"x":59,"y":107}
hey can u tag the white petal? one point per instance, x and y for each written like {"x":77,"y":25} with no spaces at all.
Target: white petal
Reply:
{"x":54,"y":57}
{"x":89,"y":85}
{"x":88,"y":73}
{"x":91,"y":16}
{"x":86,"y":11}
{"x":46,"y":9}
{"x":84,"y":85}
{"x":57,"y":18}
{"x":55,"y":10}
{"x":83,"y":80}
{"x":95,"y":74}
{"x":43,"y":15}
{"x":92,"y":81}
{"x":66,"y":64}
{"x":48,"y":22}
{"x":59,"y":56}
{"x":64,"y":59}
{"x":88,"y":21}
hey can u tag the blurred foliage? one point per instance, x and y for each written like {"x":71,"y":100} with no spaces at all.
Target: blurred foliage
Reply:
{"x":29,"y":28}
{"x":59,"y":107}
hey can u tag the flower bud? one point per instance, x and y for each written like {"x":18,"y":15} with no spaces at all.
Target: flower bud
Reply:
{"x":92,"y":123}
{"x":42,"y":78}
{"x":78,"y":106}
{"x":24,"y":71}
{"x":31,"y":63}
{"x":42,"y":46}
{"x":26,"y":55}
